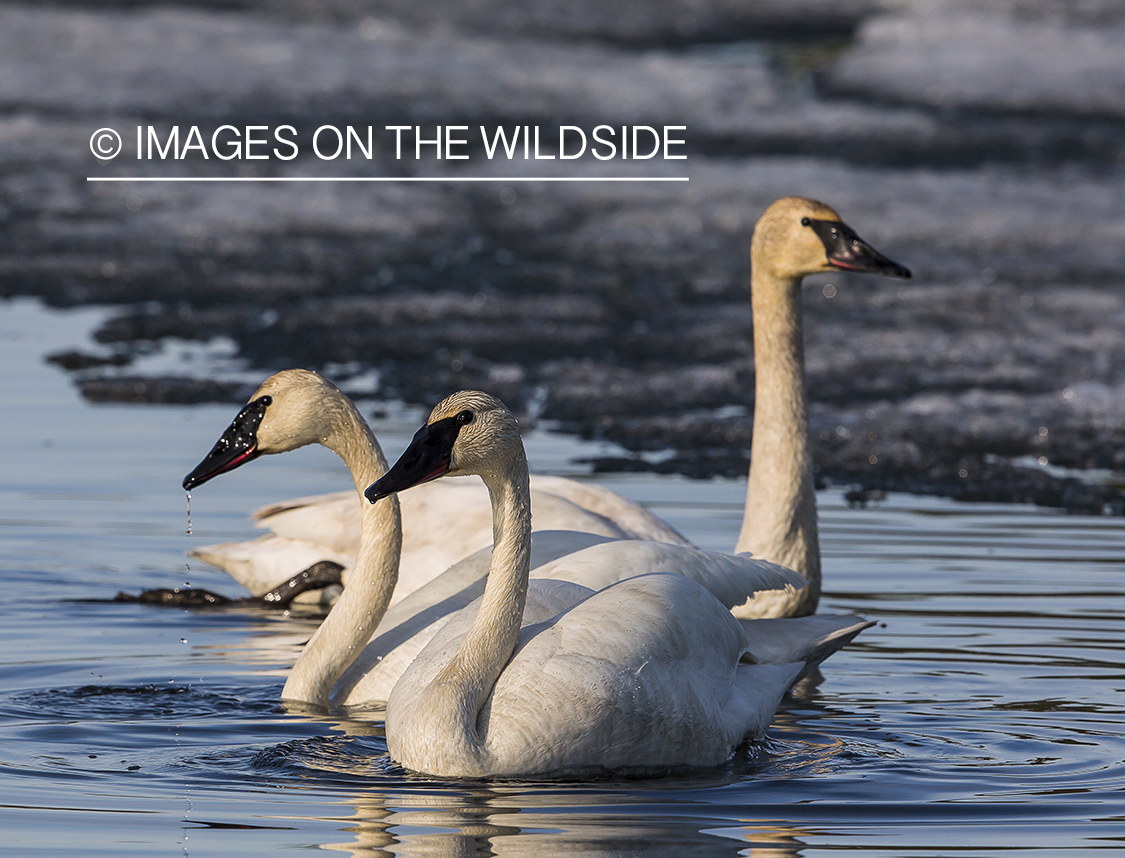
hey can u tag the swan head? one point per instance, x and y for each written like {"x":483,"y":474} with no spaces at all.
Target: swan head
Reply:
{"x":292,"y":408}
{"x":468,"y":433}
{"x":797,"y":236}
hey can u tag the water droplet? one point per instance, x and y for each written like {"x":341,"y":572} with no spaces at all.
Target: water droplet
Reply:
{"x":183,"y":640}
{"x":188,"y":513}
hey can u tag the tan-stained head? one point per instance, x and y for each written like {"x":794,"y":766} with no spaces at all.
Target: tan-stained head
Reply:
{"x":797,"y":236}
{"x":467,"y":433}
{"x":784,"y":245}
{"x":291,"y":409}
{"x":302,"y":405}
{"x":487,"y":430}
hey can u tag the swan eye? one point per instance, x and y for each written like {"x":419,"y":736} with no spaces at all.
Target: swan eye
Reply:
{"x":266,"y":400}
{"x":466,"y":417}
{"x":805,"y":221}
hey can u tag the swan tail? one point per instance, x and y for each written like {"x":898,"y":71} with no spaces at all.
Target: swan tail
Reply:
{"x":264,"y":563}
{"x":221,"y":555}
{"x":805,"y":639}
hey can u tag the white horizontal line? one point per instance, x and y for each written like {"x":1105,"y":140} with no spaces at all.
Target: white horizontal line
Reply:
{"x":509,"y":179}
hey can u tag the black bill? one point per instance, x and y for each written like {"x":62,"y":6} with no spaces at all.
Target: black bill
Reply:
{"x":848,"y":251}
{"x":238,"y":445}
{"x":426,"y":458}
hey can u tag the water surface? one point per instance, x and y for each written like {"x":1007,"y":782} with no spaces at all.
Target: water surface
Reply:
{"x":983,"y":713}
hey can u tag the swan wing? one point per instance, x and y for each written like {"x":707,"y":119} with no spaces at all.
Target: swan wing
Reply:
{"x":445,"y":521}
{"x":410,"y":624}
{"x":331,"y":520}
{"x":731,"y":579}
{"x":631,"y":518}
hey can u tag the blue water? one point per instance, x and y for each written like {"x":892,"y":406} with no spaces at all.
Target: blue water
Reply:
{"x":983,"y":714}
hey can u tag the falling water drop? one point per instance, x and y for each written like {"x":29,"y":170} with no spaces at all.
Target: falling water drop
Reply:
{"x":188,"y":513}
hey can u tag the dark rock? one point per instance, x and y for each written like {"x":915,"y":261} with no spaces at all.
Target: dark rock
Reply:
{"x":73,"y":360}
{"x":184,"y":391}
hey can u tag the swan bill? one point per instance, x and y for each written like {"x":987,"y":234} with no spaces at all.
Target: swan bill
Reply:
{"x":237,"y":445}
{"x":849,"y":252}
{"x":427,"y":457}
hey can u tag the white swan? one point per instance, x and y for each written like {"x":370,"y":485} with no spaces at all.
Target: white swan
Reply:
{"x":795,"y":237}
{"x":649,"y":674}
{"x":444,"y":524}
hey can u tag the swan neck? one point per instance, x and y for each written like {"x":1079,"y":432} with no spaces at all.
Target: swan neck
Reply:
{"x":370,"y":582}
{"x":779,"y":523}
{"x":350,"y":438}
{"x":491,"y":640}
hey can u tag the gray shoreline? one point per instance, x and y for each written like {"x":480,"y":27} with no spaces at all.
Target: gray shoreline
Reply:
{"x":986,"y":153}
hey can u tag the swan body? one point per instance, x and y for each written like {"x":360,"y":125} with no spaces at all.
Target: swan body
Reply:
{"x":552,"y":677}
{"x":592,"y":563}
{"x":445,"y":522}
{"x":410,"y":624}
{"x":585,"y":692}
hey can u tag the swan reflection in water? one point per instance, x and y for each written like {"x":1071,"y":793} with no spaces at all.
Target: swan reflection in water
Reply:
{"x":457,"y":820}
